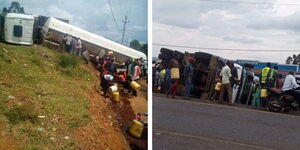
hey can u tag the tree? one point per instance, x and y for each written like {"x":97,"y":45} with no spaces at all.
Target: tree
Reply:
{"x":289,"y":60}
{"x":14,"y":8}
{"x":295,"y":59}
{"x":144,"y":49}
{"x":135,"y":44}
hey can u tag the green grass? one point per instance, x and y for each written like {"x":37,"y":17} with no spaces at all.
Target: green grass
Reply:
{"x":43,"y":82}
{"x":17,"y":114}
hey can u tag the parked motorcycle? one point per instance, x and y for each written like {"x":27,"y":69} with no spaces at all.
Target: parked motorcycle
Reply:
{"x":279,"y":101}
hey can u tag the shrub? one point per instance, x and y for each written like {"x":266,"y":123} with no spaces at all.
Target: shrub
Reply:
{"x":67,"y":60}
{"x":16,"y":114}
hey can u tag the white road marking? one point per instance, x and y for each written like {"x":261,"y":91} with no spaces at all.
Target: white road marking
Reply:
{"x":213,"y":139}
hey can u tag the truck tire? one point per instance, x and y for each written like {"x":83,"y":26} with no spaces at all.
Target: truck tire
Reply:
{"x":164,"y":56}
{"x":166,"y":51}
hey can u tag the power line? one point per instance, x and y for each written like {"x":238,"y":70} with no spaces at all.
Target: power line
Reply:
{"x":251,"y":3}
{"x":229,"y":49}
{"x":113,"y":15}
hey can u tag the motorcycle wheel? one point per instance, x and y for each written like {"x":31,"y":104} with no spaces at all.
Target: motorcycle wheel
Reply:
{"x":273,"y":100}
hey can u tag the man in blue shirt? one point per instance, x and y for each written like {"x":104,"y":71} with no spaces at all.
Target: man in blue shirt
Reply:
{"x":188,"y":76}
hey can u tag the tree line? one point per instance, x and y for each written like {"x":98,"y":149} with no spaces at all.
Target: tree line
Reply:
{"x":135,"y":44}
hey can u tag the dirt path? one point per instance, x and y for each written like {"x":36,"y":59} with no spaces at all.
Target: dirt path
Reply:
{"x":7,"y":141}
{"x":109,"y":120}
{"x":103,"y":132}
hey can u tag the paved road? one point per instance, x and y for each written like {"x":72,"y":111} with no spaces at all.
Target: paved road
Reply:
{"x":188,"y":125}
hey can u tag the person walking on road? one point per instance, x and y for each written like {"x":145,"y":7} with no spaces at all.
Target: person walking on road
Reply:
{"x":226,"y":87}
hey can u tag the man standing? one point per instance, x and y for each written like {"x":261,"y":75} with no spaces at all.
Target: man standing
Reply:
{"x":290,"y":85}
{"x":264,"y":76}
{"x":273,"y":76}
{"x":168,"y":80}
{"x":188,"y":76}
{"x":78,"y":47}
{"x":174,"y":77}
{"x":111,"y":67}
{"x":225,"y":75}
{"x":137,"y":71}
{"x":162,"y":75}
{"x":69,"y":42}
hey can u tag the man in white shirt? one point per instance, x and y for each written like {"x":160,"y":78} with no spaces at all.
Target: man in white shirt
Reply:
{"x":290,"y":85}
{"x":68,"y":42}
{"x":78,"y":47}
{"x":226,"y":75}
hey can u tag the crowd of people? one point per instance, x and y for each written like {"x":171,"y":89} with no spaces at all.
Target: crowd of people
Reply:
{"x":270,"y":78}
{"x":166,"y":80}
{"x":132,"y":70}
{"x":72,"y":44}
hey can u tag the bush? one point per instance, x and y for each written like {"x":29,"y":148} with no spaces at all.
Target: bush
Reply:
{"x":67,"y":60}
{"x":16,"y":114}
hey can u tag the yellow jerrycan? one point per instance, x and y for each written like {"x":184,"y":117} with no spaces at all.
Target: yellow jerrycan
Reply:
{"x":135,"y":85}
{"x":136,"y":129}
{"x":263,"y":93}
{"x":218,"y":86}
{"x":174,"y":73}
{"x":116,"y":96}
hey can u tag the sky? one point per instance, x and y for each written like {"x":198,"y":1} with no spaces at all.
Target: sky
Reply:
{"x":202,"y":23}
{"x":95,"y":15}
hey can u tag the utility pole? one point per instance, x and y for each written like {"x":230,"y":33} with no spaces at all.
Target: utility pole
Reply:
{"x":124,"y":28}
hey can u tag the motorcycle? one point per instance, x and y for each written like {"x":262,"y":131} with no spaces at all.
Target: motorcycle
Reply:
{"x":279,"y":101}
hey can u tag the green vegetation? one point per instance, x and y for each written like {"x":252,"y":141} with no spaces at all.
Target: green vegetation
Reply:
{"x":36,"y":81}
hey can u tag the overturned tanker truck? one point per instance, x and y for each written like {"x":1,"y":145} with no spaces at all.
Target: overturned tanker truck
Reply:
{"x":54,"y":30}
{"x":207,"y":68}
{"x":25,"y":29}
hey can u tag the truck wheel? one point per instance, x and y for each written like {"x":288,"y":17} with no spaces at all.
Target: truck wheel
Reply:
{"x":164,"y":56}
{"x":166,"y":51}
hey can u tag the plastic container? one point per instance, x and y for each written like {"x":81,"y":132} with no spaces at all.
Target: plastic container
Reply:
{"x":136,"y":129}
{"x":116,"y":96}
{"x":135,"y":85}
{"x":114,"y":88}
{"x":218,"y":86}
{"x":263,"y":93}
{"x":174,"y":73}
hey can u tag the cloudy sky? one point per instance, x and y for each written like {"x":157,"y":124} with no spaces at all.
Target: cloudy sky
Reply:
{"x":200,"y":23}
{"x":95,"y":15}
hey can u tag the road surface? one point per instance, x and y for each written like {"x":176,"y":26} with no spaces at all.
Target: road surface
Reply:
{"x":189,"y":125}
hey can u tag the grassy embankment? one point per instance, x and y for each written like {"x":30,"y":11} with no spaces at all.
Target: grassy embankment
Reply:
{"x":36,"y":81}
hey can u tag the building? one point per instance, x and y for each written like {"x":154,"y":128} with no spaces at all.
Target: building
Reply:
{"x":282,"y":68}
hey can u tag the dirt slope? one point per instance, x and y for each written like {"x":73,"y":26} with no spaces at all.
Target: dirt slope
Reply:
{"x":47,"y":103}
